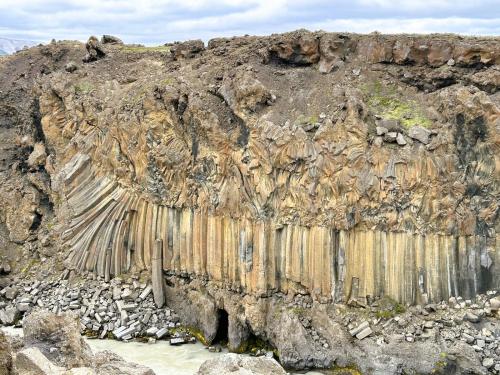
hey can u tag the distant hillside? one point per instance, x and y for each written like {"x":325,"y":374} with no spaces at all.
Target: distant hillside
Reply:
{"x":8,"y":46}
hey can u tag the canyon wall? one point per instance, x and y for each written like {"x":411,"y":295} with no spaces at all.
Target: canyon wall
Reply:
{"x":345,"y":166}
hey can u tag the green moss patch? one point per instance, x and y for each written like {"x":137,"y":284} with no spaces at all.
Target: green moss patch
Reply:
{"x":83,"y":87}
{"x":389,"y":308}
{"x":349,"y":370}
{"x":385,"y":102}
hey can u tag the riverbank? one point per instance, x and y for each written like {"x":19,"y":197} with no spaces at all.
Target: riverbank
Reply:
{"x":461,"y":333}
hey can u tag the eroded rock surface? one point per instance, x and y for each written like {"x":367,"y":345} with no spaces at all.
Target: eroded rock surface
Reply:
{"x":340,"y":168}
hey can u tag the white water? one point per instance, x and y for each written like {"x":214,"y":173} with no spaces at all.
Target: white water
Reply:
{"x":161,"y":357}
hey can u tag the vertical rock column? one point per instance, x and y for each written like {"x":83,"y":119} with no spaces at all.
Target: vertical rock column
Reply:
{"x":157,"y":274}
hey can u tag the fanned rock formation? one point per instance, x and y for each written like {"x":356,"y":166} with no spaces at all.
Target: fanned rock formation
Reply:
{"x":256,"y":169}
{"x":345,"y":167}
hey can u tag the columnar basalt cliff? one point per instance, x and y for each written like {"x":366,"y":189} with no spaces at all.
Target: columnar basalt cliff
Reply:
{"x":345,"y":167}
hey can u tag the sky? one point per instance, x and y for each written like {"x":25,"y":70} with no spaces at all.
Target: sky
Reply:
{"x":154,"y":22}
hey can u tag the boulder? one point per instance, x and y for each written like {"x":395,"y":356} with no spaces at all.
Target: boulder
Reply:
{"x":400,"y":139}
{"x":187,"y":50}
{"x":420,"y":134}
{"x":109,"y":363}
{"x":46,"y":330}
{"x":333,"y":49}
{"x":5,"y":355}
{"x":31,"y":361}
{"x":234,"y":364}
{"x":70,"y":67}
{"x":94,"y":50}
{"x":110,"y":39}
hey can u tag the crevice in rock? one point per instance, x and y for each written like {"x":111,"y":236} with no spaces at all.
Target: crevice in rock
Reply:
{"x":221,"y":337}
{"x":36,"y":222}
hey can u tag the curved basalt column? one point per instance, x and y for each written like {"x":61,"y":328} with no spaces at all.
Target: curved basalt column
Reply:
{"x":262,"y":256}
{"x":247,"y":179}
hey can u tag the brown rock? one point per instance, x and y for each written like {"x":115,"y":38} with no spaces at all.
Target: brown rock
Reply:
{"x":187,"y":50}
{"x":94,"y":50}
{"x":299,"y":48}
{"x":333,"y":49}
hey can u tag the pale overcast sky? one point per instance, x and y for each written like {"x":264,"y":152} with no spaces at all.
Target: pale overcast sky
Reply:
{"x":156,"y":22}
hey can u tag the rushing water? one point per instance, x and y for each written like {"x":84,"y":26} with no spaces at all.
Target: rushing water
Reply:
{"x":161,"y":357}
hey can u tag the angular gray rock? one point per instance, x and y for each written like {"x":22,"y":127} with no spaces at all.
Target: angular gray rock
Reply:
{"x":420,"y":134}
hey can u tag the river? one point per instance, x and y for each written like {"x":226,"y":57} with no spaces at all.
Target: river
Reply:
{"x":161,"y":357}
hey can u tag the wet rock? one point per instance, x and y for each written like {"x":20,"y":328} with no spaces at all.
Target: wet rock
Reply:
{"x":187,"y":50}
{"x":110,"y":39}
{"x":234,"y":364}
{"x":420,"y":134}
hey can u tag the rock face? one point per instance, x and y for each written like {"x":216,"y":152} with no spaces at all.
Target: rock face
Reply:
{"x":228,"y":364}
{"x":338,"y":167}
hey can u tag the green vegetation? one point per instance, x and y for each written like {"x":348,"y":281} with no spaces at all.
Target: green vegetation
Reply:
{"x":193,"y":331}
{"x":144,"y":49}
{"x":349,"y":370}
{"x":83,"y":87}
{"x":254,"y":345}
{"x":297,"y":310}
{"x":441,"y":365}
{"x":389,"y":308}
{"x":304,"y":120}
{"x":385,"y":102}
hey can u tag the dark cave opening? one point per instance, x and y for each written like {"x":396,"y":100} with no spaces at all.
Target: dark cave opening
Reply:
{"x":221,"y":337}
